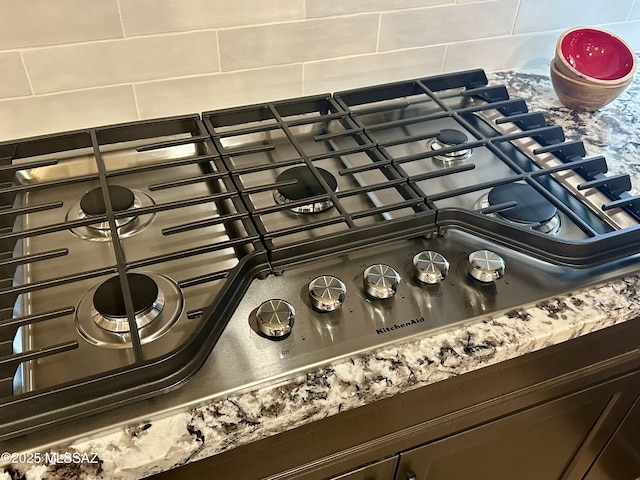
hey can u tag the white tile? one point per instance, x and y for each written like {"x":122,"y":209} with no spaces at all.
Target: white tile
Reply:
{"x":516,"y":51}
{"x":207,"y":92}
{"x":121,"y":61}
{"x":325,"y":8}
{"x":539,"y":15}
{"x":430,"y":26}
{"x":158,"y":16}
{"x":14,"y":81}
{"x":27,"y":116}
{"x":46,"y":22}
{"x":353,"y":72}
{"x":297,"y":41}
{"x":628,"y":31}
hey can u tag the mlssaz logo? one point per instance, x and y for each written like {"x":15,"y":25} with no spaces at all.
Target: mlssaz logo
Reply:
{"x":398,"y":326}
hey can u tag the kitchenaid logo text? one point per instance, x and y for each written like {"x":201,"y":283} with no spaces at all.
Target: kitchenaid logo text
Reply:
{"x":398,"y":326}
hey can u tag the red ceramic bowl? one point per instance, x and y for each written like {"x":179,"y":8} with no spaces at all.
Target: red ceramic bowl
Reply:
{"x":595,"y":55}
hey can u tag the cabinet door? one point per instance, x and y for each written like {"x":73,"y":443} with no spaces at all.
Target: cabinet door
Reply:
{"x":533,"y":444}
{"x":620,"y":459}
{"x":382,"y":470}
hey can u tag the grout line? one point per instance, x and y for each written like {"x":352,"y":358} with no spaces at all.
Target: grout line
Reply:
{"x":26,"y":74}
{"x":219,"y":73}
{"x":64,"y":92}
{"x":379,"y":30}
{"x":155,"y":80}
{"x":219,"y":52}
{"x":298,"y":20}
{"x":107,"y":40}
{"x":515,"y":18}
{"x":633,"y":4}
{"x":444,"y":57}
{"x":135,"y":100}
{"x":124,"y":35}
{"x":303,"y":69}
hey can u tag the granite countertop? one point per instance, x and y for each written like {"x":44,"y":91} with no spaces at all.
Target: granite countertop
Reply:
{"x":149,"y":448}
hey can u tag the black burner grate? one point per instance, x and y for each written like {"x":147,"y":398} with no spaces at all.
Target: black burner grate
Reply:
{"x":196,"y":218}
{"x":390,"y":115}
{"x":258,"y":143}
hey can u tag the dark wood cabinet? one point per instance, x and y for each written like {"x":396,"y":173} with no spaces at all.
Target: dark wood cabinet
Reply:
{"x":546,"y":441}
{"x":567,"y":412}
{"x":558,"y":439}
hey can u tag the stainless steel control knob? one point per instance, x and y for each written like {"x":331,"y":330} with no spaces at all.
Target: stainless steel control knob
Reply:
{"x":430,"y":267}
{"x":380,"y":281}
{"x":327,"y":293}
{"x":486,"y":266}
{"x":275,"y":318}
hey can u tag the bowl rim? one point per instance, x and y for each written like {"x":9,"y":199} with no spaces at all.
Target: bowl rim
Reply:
{"x":617,"y":81}
{"x":582,"y":84}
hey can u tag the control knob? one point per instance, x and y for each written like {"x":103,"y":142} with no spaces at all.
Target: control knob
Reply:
{"x":380,"y":281}
{"x":430,"y":267}
{"x":327,"y":293}
{"x":486,"y":266}
{"x":275,"y":318}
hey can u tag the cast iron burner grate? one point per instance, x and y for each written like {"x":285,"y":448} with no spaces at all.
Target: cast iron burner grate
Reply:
{"x":510,"y":146}
{"x":264,"y":145}
{"x":174,"y":245}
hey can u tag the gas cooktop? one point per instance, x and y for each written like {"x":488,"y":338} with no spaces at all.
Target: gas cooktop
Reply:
{"x":206,"y":254}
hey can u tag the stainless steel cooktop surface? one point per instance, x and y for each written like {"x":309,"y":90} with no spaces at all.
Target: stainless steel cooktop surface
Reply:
{"x":200,"y":256}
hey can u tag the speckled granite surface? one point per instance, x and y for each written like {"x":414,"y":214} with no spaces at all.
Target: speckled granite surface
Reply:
{"x":150,"y":448}
{"x":612,"y":131}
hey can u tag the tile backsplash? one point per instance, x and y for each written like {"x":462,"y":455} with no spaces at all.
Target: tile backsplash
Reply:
{"x":70,"y":64}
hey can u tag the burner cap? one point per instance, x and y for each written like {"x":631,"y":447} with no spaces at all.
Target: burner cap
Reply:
{"x":451,"y":137}
{"x":92,"y":202}
{"x":108,"y":299}
{"x":532,"y":207}
{"x":306,"y":186}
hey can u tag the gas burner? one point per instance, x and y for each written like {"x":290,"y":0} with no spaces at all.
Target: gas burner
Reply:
{"x":101,"y":316}
{"x":109,"y":302}
{"x":531,"y":209}
{"x":306,"y":185}
{"x":448,"y":138}
{"x":122,"y":199}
